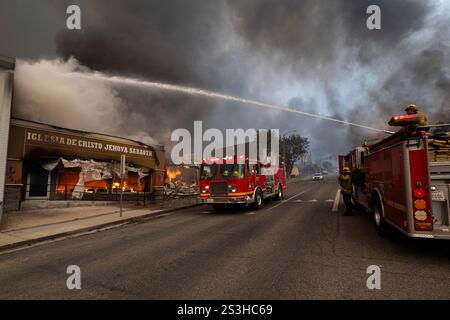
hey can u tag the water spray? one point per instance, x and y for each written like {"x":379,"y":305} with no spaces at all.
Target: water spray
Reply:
{"x":213,"y":94}
{"x":438,"y":125}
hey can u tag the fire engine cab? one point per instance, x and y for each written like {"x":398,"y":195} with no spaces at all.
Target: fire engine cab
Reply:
{"x":229,"y":183}
{"x":404,"y":181}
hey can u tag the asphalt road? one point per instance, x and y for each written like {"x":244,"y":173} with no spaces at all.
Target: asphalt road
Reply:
{"x":295,"y":249}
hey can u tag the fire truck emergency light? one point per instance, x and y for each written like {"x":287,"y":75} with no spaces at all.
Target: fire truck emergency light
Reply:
{"x":403,"y":121}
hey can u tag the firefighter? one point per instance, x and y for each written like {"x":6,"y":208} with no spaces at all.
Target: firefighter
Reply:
{"x":412,"y":109}
{"x":236,"y":171}
{"x":345,"y":181}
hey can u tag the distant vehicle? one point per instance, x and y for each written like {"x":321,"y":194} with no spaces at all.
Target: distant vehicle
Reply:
{"x":324,"y":172}
{"x":317,"y":176}
{"x":230,"y":184}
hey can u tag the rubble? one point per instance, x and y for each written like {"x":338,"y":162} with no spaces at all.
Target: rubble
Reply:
{"x":181,"y":182}
{"x":439,"y":147}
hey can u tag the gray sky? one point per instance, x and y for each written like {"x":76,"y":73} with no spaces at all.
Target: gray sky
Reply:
{"x":316,"y":56}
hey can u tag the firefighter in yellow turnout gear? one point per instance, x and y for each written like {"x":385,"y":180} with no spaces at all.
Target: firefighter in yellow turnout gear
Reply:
{"x":412,"y":109}
{"x":345,"y":182}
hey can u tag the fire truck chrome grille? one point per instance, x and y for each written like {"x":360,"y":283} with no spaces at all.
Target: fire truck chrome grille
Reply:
{"x":219,"y":188}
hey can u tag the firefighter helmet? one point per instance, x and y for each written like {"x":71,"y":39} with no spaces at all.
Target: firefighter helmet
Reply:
{"x":347,"y":170}
{"x":411,"y":107}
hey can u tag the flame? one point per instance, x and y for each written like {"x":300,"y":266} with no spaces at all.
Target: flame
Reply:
{"x":172,"y":174}
{"x":126,"y":187}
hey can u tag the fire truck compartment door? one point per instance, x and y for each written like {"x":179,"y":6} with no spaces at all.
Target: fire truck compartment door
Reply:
{"x":440,"y":194}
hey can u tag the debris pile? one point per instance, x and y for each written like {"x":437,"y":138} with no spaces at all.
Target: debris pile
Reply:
{"x":181,"y":188}
{"x":181,"y":181}
{"x":439,"y":147}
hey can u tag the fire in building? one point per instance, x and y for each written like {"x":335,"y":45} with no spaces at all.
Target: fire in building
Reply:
{"x":48,"y":166}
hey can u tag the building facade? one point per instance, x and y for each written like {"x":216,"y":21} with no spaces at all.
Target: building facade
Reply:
{"x":47,"y":163}
{"x":43,"y":166}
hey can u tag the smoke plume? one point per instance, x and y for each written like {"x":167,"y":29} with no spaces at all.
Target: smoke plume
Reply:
{"x":314,"y":56}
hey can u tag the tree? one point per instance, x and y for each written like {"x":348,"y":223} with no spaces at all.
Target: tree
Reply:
{"x":327,"y":165}
{"x":292,"y":148}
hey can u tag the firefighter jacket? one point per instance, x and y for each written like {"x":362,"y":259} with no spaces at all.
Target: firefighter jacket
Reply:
{"x":345,"y":181}
{"x":423,"y":122}
{"x":423,"y":119}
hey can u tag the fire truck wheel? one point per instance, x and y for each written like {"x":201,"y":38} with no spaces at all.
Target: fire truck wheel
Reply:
{"x":279,"y":194}
{"x":380,"y":224}
{"x":258,"y":200}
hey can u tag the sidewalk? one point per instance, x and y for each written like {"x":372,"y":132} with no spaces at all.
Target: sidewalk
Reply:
{"x":28,"y":227}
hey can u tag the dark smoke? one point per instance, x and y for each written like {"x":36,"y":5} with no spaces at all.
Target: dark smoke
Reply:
{"x":182,"y":42}
{"x":323,"y":41}
{"x":161,"y":40}
{"x":313,"y":33}
{"x":316,"y":56}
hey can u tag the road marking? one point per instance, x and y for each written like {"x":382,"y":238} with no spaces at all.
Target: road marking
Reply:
{"x":313,"y":200}
{"x":336,"y":201}
{"x":284,"y":201}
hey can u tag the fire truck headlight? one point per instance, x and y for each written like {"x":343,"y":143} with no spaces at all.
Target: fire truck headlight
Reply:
{"x":232,"y":188}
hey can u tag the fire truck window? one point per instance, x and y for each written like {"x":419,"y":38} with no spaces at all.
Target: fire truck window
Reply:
{"x":232,"y":170}
{"x":208,"y":171}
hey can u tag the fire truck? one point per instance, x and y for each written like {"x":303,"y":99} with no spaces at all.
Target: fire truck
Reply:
{"x":230,"y":183}
{"x":404,"y":181}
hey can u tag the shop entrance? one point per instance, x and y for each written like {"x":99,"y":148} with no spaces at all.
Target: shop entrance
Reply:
{"x":38,"y":182}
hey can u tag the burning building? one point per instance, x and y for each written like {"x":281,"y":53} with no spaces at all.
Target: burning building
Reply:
{"x":51,"y":163}
{"x":46,"y":166}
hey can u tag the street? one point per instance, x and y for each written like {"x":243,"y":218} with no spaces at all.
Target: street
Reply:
{"x":295,"y":249}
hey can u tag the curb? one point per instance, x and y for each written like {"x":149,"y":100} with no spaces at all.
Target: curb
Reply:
{"x":31,"y":242}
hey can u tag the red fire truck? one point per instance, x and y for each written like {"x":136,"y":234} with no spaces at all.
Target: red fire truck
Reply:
{"x":225,"y":183}
{"x":401,"y":184}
